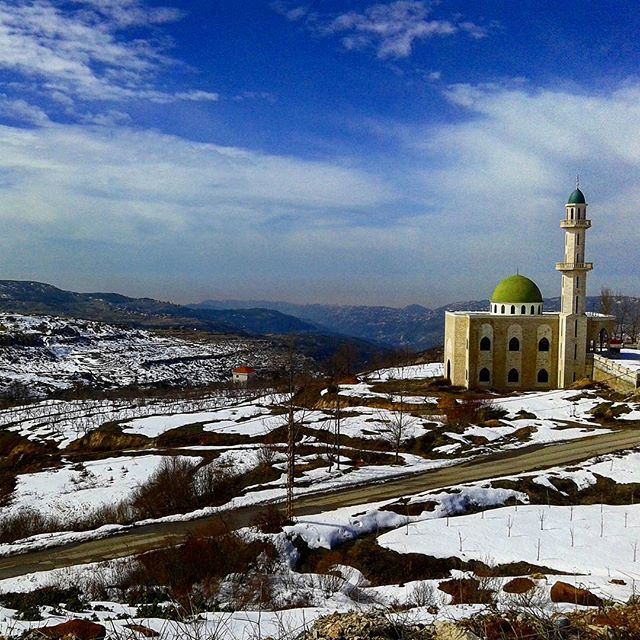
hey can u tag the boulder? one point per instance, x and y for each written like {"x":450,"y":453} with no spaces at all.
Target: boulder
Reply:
{"x":79,"y":629}
{"x":565,"y":592}
{"x":466,"y":591}
{"x":518,"y":585}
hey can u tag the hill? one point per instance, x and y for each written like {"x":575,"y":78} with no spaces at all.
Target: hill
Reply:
{"x":26,"y":297}
{"x":313,"y":340}
{"x":41,"y":356}
{"x":415,"y":326}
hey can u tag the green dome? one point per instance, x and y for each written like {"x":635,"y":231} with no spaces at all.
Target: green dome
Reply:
{"x":577,"y":197}
{"x":516,"y":289}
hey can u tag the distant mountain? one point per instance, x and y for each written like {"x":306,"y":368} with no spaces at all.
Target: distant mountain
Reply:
{"x":318,"y":342}
{"x":415,"y":327}
{"x":25,"y":297}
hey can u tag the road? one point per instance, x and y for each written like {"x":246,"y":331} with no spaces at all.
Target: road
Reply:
{"x":156,"y":536}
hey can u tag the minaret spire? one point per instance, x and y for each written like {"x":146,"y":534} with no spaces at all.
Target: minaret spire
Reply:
{"x":574,"y":269}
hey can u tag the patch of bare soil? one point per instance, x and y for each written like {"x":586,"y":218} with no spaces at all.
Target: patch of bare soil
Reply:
{"x":382,"y":566}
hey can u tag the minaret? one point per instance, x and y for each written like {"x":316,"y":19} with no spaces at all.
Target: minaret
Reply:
{"x":573,"y":319}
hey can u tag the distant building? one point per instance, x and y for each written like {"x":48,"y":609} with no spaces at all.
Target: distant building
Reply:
{"x":242,"y":375}
{"x":515,"y":344}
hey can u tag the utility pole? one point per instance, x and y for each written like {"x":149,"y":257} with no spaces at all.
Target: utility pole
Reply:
{"x":291,"y":438}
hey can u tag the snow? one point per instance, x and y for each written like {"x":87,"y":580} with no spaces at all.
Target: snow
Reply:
{"x":331,"y":528}
{"x":630,"y":358}
{"x":363,"y":390}
{"x":410,"y":372}
{"x":604,"y":537}
{"x":218,"y":419}
{"x":622,"y":468}
{"x":75,"y":491}
{"x":50,"y":353}
{"x":65,"y":421}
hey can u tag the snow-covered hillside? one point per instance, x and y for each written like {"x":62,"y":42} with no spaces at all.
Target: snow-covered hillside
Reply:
{"x":40,"y":354}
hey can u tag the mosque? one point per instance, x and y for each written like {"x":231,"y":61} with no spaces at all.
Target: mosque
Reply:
{"x":515,"y":344}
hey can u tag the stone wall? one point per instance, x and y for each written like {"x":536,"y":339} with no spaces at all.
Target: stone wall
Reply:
{"x":615,"y":374}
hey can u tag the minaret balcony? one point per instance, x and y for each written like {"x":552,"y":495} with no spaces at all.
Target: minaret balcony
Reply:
{"x":575,"y":224}
{"x":574,"y":266}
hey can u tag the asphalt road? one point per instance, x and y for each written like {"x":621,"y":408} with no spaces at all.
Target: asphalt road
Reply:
{"x":156,"y":536}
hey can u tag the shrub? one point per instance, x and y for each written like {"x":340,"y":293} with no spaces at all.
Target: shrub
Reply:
{"x":168,"y":490}
{"x":467,"y":410}
{"x":270,"y":520}
{"x":201,"y":560}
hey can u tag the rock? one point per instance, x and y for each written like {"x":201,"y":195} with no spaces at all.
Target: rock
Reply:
{"x":451,"y":631}
{"x":466,"y":591}
{"x":617,"y":581}
{"x":519,"y":585}
{"x":142,"y":630}
{"x":79,"y":629}
{"x":491,"y":424}
{"x":565,"y":592}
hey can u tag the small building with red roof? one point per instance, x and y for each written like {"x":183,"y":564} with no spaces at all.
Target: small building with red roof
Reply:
{"x":242,"y":375}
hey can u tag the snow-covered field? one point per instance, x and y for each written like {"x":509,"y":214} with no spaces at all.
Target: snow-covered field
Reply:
{"x":77,"y":490}
{"x":582,"y":539}
{"x":409,"y":372}
{"x":590,"y":544}
{"x":42,"y":354}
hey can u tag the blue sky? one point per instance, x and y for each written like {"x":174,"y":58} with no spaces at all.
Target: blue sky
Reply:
{"x":330,"y":151}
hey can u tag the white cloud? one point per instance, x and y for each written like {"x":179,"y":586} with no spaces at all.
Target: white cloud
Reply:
{"x":496,"y":181}
{"x":88,"y":179}
{"x":83,"y":52}
{"x":22,"y":111}
{"x":90,"y":208}
{"x":391,"y":29}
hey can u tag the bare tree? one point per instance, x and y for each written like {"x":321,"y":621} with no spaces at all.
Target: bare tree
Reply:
{"x":398,"y":421}
{"x":606,"y":301}
{"x":294,"y":420}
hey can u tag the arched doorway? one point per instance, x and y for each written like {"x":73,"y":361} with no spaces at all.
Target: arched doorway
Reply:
{"x":603,"y":339}
{"x":449,"y":370}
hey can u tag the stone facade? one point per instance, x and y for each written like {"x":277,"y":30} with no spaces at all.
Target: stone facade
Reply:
{"x":516,"y":345}
{"x":534,"y":357}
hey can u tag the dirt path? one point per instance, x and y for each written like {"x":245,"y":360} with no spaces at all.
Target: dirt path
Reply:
{"x":156,"y":536}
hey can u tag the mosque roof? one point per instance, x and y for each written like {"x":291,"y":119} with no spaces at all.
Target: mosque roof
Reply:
{"x":577,"y":197}
{"x":516,"y":288}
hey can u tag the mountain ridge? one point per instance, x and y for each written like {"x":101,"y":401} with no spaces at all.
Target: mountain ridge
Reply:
{"x":413,"y":326}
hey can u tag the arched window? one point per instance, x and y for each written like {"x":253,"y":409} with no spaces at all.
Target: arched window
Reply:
{"x":571,"y":213}
{"x":502,"y":309}
{"x":533,"y":309}
{"x":513,"y":309}
{"x":485,"y":344}
{"x":513,"y":376}
{"x":484,"y":375}
{"x":514,"y":344}
{"x":539,"y":309}
{"x":523,"y":309}
{"x":543,"y":345}
{"x":543,"y":375}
